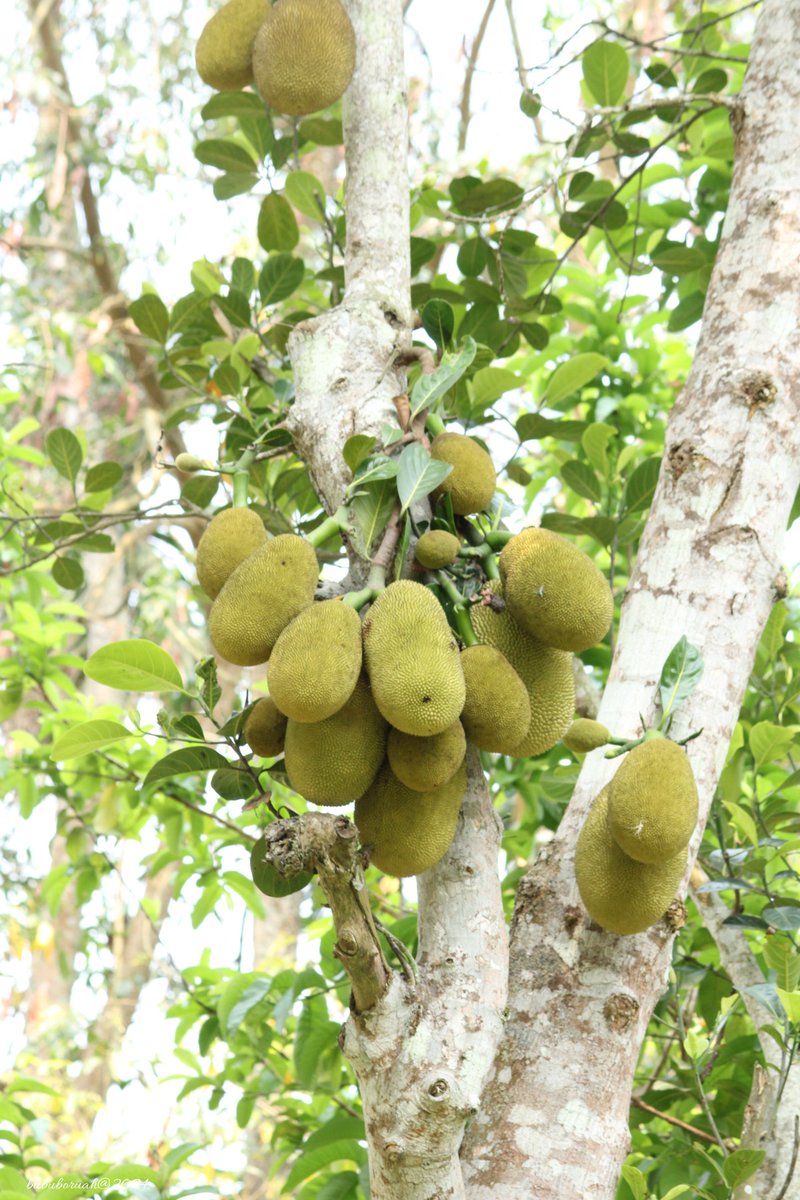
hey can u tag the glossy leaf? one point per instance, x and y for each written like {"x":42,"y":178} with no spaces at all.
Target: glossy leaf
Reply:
{"x":430,"y":388}
{"x":605,"y":70}
{"x":86,"y":738}
{"x":277,"y":227}
{"x":570,"y":376}
{"x":134,"y":665}
{"x":282,"y":275}
{"x":680,"y":675}
{"x":191,"y":760}
{"x":418,"y":474}
{"x":65,"y":453}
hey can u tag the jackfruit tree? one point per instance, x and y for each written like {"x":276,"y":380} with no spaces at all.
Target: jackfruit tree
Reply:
{"x":465,"y":551}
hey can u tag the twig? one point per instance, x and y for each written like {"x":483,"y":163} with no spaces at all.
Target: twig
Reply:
{"x":472,"y":62}
{"x":699,"y":1133}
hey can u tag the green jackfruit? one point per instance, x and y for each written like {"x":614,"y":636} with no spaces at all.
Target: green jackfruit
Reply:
{"x":652,"y":801}
{"x":423,"y":763}
{"x":230,"y":537}
{"x":334,"y":761}
{"x":407,"y":832}
{"x":554,"y":590}
{"x":584,"y":735}
{"x":316,"y":661}
{"x":471,"y":483}
{"x":304,"y":55}
{"x":265,"y":729}
{"x":224,"y":53}
{"x":412,"y":660}
{"x":190,"y":463}
{"x":545,"y":671}
{"x":620,"y":894}
{"x":497,"y":710}
{"x":437,"y":548}
{"x":261,"y":597}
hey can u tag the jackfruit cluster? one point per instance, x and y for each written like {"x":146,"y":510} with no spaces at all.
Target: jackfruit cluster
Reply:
{"x":631,"y":853}
{"x":299,"y":53}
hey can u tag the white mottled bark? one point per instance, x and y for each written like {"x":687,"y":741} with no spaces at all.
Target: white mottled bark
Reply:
{"x":554,"y":1120}
{"x":344,"y":361}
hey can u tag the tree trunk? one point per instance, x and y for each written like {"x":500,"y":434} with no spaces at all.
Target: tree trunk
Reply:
{"x":555,"y":1117}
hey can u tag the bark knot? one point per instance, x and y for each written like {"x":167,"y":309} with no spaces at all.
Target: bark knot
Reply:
{"x":620,"y":1011}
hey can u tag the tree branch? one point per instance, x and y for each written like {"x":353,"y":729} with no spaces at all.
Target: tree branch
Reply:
{"x":472,"y":63}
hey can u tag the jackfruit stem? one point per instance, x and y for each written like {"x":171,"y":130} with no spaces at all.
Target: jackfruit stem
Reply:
{"x":357,"y":600}
{"x":460,"y":611}
{"x":241,"y":478}
{"x":327,"y":527}
{"x":434,"y":425}
{"x":483,"y":552}
{"x":499,"y":538}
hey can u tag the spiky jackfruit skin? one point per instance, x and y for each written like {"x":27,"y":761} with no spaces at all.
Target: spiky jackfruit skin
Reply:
{"x":265,"y":592}
{"x":471,"y":483}
{"x":230,"y":537}
{"x":436,"y":549}
{"x":304,"y":55}
{"x":652,"y":801}
{"x":622,"y":895}
{"x":224,"y":53}
{"x":584,"y":735}
{"x":316,"y":661}
{"x":334,"y":761}
{"x":555,"y":591}
{"x":412,"y":660}
{"x":545,"y":672}
{"x":497,"y":709}
{"x":423,"y":763}
{"x":407,"y":832}
{"x":265,"y":729}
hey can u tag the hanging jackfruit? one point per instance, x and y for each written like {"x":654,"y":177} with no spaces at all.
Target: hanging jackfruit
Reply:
{"x":497,"y":709}
{"x":555,"y":591}
{"x":224,"y":53}
{"x":304,"y":55}
{"x":471,"y":483}
{"x":412,"y":660}
{"x":436,"y":549}
{"x":316,"y":661}
{"x":261,"y":597}
{"x":407,"y":832}
{"x":423,"y":763}
{"x":265,"y":729}
{"x":622,"y":895}
{"x":584,"y":735}
{"x":230,"y":537}
{"x":652,"y":801}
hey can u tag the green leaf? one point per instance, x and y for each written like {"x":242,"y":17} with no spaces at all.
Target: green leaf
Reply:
{"x":357,"y":450}
{"x":86,"y":738}
{"x":191,"y":760}
{"x":595,"y":444}
{"x":418,"y":474}
{"x":282,"y":275}
{"x":678,"y":260}
{"x":309,"y":1164}
{"x":641,"y":485}
{"x":605,"y":70}
{"x":208,"y":688}
{"x":151,"y":316}
{"x":582,"y":480}
{"x":782,"y":916}
{"x":244,"y":1110}
{"x":325,"y":131}
{"x":533,"y":426}
{"x":773,"y":636}
{"x":680,"y":675}
{"x":371,"y":509}
{"x":439,"y":322}
{"x":234,"y":183}
{"x":225,"y":155}
{"x":65,"y":453}
{"x":232,"y":104}
{"x":315,"y":1034}
{"x":13,"y":1181}
{"x":686,"y":312}
{"x":782,"y":957}
{"x":134,"y":665}
{"x":474,"y":257}
{"x":277,"y":227}
{"x":635,"y":1181}
{"x":252,"y":995}
{"x":305,"y":192}
{"x":375,"y":467}
{"x":422,"y":251}
{"x":338,"y":1129}
{"x":741,"y":1165}
{"x":571,"y":376}
{"x":530,"y":104}
{"x":233,"y":783}
{"x":200,"y":489}
{"x":769,"y":742}
{"x":791,"y":1003}
{"x":494,"y":196}
{"x":103,"y":476}
{"x":429,"y":388}
{"x":68,"y":573}
{"x":267,"y":879}
{"x":490,"y":383}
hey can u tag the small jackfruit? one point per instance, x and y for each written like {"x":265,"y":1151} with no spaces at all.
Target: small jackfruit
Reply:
{"x":652,"y":801}
{"x":423,"y":763}
{"x":584,"y":735}
{"x":497,"y":710}
{"x":224,"y":53}
{"x":471,"y":483}
{"x":190,"y":463}
{"x":265,"y":729}
{"x":545,"y":671}
{"x":622,"y":895}
{"x":230,"y":537}
{"x":407,"y":832}
{"x":261,"y":597}
{"x":437,"y":548}
{"x":334,"y":761}
{"x":316,"y":661}
{"x":555,"y":591}
{"x":412,"y":660}
{"x":304,"y":55}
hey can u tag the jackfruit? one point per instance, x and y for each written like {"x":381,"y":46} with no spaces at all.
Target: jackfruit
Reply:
{"x":652,"y":801}
{"x":265,"y":729}
{"x":555,"y":591}
{"x":230,"y":537}
{"x":316,"y":661}
{"x":261,"y":597}
{"x":224,"y":53}
{"x":190,"y":463}
{"x":407,"y":832}
{"x":497,"y":710}
{"x":437,"y":548}
{"x":545,"y":671}
{"x":471,"y":483}
{"x":412,"y":660}
{"x":304,"y":55}
{"x":620,"y":894}
{"x":584,"y":735}
{"x":334,"y":761}
{"x":423,"y":763}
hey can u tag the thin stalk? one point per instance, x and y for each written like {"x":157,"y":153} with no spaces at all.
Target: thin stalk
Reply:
{"x":327,"y":527}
